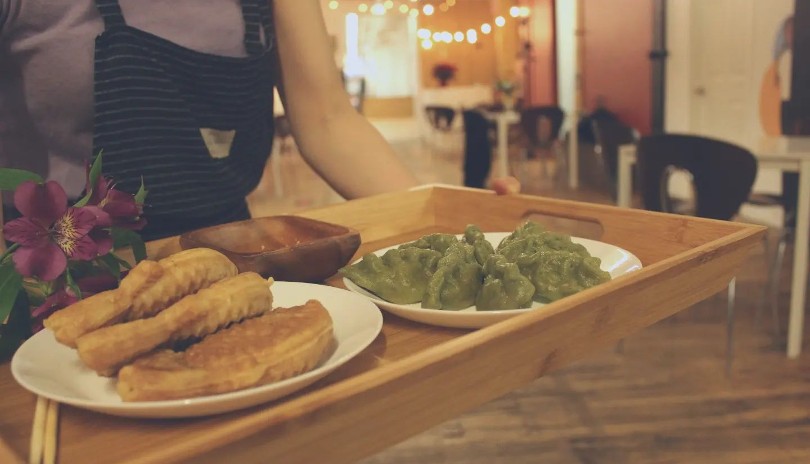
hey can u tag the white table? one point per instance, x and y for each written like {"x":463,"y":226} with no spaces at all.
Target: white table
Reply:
{"x":790,"y":154}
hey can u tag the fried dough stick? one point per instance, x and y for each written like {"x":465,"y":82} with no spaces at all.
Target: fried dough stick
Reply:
{"x":272,"y":347}
{"x":150,"y":287}
{"x":230,"y":300}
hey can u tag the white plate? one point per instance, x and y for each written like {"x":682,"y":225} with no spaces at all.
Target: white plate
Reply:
{"x":615,"y":260}
{"x":54,"y":371}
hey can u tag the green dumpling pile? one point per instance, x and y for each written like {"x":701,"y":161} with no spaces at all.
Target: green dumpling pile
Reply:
{"x":443,"y":272}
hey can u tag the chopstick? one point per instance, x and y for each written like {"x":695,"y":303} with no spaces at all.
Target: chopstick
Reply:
{"x":44,"y":432}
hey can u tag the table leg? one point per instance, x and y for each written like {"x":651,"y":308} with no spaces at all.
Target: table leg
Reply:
{"x":573,"y":165}
{"x":798,"y":289}
{"x":503,"y":146}
{"x":627,"y":157}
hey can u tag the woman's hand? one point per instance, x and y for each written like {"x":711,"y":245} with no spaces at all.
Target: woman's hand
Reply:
{"x":505,"y":185}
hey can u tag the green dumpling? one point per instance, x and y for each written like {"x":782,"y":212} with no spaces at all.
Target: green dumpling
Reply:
{"x":456,"y":281}
{"x":435,"y":242}
{"x":504,"y":286}
{"x":527,"y":229}
{"x":483,"y":249}
{"x":559,"y":273}
{"x":399,"y":276}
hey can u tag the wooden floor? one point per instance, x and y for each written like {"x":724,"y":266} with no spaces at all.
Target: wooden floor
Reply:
{"x":664,"y":399}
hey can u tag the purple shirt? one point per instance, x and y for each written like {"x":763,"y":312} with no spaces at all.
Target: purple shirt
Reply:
{"x":46,"y":72}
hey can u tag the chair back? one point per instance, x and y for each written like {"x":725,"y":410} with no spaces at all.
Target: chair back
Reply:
{"x":722,"y":173}
{"x":477,"y":149}
{"x":542,"y":124}
{"x":440,"y":117}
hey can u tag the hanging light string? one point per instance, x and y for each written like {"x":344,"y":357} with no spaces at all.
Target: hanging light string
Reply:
{"x":426,"y":36}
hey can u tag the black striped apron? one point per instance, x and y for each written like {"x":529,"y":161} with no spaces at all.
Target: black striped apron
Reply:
{"x":196,"y":127}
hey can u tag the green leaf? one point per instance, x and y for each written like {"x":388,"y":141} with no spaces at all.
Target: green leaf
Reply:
{"x":127,"y":238}
{"x":10,"y":179}
{"x":72,"y":284}
{"x":10,"y":286}
{"x":95,"y":173}
{"x":111,"y":262}
{"x":140,"y":195}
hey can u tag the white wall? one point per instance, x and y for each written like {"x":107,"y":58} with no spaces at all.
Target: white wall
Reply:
{"x":767,"y":16}
{"x":565,"y":17}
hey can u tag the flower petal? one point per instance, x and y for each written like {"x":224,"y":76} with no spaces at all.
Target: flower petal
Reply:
{"x":99,"y":190}
{"x":46,"y":262}
{"x":57,"y":300}
{"x":25,"y":232}
{"x":84,"y":220}
{"x":103,"y":239}
{"x":44,"y":203}
{"x":103,"y":219}
{"x":84,"y":249}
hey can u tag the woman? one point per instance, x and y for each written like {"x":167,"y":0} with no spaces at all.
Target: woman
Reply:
{"x":180,"y":94}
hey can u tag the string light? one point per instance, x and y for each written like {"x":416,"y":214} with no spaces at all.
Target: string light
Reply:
{"x":428,"y":38}
{"x":378,"y":9}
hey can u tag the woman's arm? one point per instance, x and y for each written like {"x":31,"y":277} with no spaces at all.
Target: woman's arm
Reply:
{"x":340,"y":144}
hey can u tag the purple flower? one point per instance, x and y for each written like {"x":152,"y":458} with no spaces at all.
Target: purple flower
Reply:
{"x":48,"y":233}
{"x":122,"y":208}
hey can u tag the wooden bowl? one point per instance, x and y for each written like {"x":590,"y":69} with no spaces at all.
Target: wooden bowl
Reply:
{"x":290,"y":248}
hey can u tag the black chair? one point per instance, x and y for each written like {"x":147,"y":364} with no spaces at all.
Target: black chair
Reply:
{"x":440,"y":117}
{"x":541,"y":126}
{"x":477,"y":149}
{"x":722,"y":176}
{"x":444,"y":136}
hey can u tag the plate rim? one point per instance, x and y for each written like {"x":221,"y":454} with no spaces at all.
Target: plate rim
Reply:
{"x":144,"y":408}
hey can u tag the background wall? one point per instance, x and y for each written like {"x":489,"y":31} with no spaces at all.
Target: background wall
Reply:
{"x":616,"y":68}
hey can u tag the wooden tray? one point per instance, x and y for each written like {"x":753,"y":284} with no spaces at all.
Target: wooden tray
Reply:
{"x":415,"y":376}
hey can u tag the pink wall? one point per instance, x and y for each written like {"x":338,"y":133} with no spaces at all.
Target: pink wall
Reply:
{"x":542,"y":69}
{"x":616,"y":67}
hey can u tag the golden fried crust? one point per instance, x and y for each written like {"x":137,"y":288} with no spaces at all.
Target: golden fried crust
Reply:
{"x":183,"y":273}
{"x":230,"y":300}
{"x":269,"y":348}
{"x":147,"y":289}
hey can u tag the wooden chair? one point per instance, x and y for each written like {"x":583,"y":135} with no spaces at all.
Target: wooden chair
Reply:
{"x":722,"y":176}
